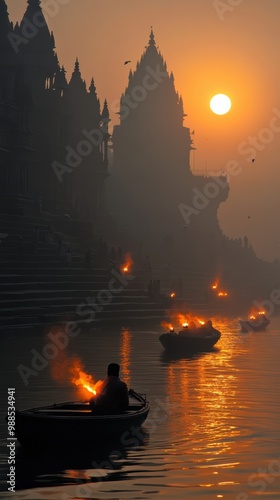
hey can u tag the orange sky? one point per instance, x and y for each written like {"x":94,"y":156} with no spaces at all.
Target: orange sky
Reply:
{"x":210,"y":49}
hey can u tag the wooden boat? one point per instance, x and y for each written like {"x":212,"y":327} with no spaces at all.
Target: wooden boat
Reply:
{"x":190,"y":340}
{"x":254,"y":323}
{"x":74,"y":422}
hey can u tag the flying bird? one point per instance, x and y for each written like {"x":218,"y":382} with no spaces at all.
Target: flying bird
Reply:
{"x":126,"y":62}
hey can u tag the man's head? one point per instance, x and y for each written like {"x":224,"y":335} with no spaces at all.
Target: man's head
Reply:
{"x":113,"y":369}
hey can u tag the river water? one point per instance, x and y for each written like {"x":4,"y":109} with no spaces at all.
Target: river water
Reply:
{"x":212,"y":432}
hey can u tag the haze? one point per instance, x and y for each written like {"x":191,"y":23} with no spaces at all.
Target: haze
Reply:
{"x":211,"y":47}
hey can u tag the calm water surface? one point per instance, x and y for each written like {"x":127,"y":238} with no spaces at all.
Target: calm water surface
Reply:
{"x":212,"y":432}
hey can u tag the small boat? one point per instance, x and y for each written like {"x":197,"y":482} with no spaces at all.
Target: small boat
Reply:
{"x":74,"y":422}
{"x":256,"y":323}
{"x":190,"y":340}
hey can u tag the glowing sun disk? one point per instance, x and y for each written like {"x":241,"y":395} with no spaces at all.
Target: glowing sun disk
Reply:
{"x":220,"y":104}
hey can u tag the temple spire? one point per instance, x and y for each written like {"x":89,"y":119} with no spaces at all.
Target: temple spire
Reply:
{"x":105,"y":112}
{"x":33,"y":3}
{"x":77,"y":84}
{"x":152,"y":37}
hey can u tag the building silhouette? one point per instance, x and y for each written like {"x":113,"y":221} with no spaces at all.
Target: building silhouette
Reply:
{"x":54,"y":161}
{"x":53,"y":133}
{"x":155,"y":195}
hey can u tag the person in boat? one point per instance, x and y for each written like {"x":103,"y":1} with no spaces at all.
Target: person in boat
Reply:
{"x":185,"y":331}
{"x":192,"y":325}
{"x":112,"y":396}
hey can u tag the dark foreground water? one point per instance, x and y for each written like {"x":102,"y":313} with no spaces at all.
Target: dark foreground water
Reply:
{"x":213,"y":429}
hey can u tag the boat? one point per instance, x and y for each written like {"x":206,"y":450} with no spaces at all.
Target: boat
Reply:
{"x":198,"y":339}
{"x":74,"y":422}
{"x":256,"y":323}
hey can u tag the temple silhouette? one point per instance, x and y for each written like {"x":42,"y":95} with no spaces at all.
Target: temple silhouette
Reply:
{"x":56,"y":185}
{"x":48,"y":157}
{"x":152,"y":174}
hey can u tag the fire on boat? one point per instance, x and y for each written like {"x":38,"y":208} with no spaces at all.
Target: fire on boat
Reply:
{"x":257,"y":322}
{"x":194,"y":336}
{"x":74,"y":423}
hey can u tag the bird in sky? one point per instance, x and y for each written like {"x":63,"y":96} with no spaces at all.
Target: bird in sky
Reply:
{"x":126,"y":62}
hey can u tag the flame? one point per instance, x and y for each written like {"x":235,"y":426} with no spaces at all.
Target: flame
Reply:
{"x":164,"y":324}
{"x":81,"y":378}
{"x":183,"y":320}
{"x":254,"y":314}
{"x":172,"y":295}
{"x":222,"y":294}
{"x":71,"y":370}
{"x":215,"y":285}
{"x":127,"y":264}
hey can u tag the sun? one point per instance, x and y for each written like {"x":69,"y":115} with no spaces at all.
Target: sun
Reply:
{"x":220,"y":104}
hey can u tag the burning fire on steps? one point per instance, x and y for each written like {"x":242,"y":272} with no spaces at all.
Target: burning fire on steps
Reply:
{"x":217,"y":290}
{"x":127,"y":266}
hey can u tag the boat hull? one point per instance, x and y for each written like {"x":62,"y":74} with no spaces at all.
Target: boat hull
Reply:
{"x":253,"y":326}
{"x":69,"y":423}
{"x":193,"y":343}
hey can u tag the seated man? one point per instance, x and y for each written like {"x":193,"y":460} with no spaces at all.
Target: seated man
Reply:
{"x":112,"y":396}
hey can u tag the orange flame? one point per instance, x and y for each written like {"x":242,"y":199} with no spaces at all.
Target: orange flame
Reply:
{"x":183,"y":320}
{"x":172,"y":295}
{"x":71,"y":370}
{"x":127,"y":264}
{"x":254,"y":313}
{"x":215,"y":285}
{"x":222,"y":294}
{"x":164,"y":324}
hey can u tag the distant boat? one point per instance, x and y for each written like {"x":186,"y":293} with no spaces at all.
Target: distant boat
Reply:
{"x":256,"y":323}
{"x":190,"y":340}
{"x":74,"y":423}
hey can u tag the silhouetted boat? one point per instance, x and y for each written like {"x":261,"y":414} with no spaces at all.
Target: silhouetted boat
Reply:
{"x":190,"y":340}
{"x":254,"y":323}
{"x":74,"y":422}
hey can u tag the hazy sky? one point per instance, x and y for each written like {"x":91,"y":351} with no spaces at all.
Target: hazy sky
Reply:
{"x":228,"y":46}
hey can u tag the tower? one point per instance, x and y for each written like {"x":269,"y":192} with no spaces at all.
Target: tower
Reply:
{"x":15,"y":135}
{"x":65,"y":167}
{"x":152,"y":161}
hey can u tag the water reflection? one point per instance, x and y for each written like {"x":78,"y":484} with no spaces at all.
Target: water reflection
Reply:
{"x":203,"y":392}
{"x":48,"y":467}
{"x":125,"y":355}
{"x":218,"y":421}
